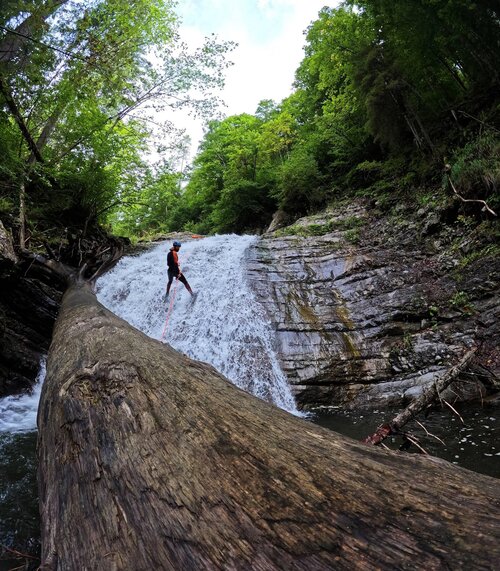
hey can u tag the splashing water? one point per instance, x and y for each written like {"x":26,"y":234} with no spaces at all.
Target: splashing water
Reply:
{"x":18,"y":413}
{"x":225,"y":326}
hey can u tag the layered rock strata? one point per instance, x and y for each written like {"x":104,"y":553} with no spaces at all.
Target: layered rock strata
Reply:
{"x":365,"y":319}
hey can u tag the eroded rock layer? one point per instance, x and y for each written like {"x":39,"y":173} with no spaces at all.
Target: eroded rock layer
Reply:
{"x":373,"y":309}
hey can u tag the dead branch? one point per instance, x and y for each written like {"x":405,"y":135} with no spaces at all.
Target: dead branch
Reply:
{"x":427,"y":397}
{"x":454,"y":410}
{"x":429,"y":433}
{"x":416,"y":443}
{"x":485,"y":205}
{"x":62,"y":270}
{"x":19,"y":554}
{"x":13,"y":108}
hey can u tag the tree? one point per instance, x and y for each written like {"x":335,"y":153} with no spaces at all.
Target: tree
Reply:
{"x":229,"y":189}
{"x":148,"y":208}
{"x":97,"y":75}
{"x":448,"y":41}
{"x":427,"y":57}
{"x":149,"y":460}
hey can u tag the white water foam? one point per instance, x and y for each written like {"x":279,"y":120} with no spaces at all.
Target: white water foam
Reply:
{"x":18,"y":413}
{"x":225,"y":326}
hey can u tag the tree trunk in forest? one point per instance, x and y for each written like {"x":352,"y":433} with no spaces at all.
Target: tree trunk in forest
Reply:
{"x":149,"y":460}
{"x":22,"y":214}
{"x":12,"y":43}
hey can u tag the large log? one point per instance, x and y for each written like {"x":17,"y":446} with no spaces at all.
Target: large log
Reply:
{"x":149,"y":460}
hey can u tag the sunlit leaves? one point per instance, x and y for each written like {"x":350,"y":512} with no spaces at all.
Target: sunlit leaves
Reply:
{"x":93,"y":83}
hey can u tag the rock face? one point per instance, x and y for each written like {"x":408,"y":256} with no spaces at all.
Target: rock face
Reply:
{"x":29,"y":302}
{"x":370,"y":311}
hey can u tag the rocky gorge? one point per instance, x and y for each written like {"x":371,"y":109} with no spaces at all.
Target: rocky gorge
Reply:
{"x":29,"y":302}
{"x":369,"y":307}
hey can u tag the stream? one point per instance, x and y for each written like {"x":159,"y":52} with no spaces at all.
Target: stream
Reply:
{"x":226,"y":327}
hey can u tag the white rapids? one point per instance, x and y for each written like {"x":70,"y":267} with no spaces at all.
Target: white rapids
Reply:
{"x":225,"y":326}
{"x":18,"y":413}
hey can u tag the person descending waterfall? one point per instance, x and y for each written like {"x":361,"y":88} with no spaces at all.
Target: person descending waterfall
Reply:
{"x":174,"y":269}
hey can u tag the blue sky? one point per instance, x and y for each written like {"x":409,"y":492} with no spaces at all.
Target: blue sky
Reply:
{"x":270,"y":37}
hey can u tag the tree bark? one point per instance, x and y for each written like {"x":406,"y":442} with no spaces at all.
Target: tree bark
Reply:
{"x":149,"y":460}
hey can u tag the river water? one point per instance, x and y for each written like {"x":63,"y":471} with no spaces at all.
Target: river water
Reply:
{"x":226,"y":327}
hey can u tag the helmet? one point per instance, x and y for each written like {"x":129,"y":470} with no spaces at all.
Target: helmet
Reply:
{"x":177,"y":244}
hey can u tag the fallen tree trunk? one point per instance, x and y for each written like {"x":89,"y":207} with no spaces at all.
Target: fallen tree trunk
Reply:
{"x":428,"y":396}
{"x":149,"y":460}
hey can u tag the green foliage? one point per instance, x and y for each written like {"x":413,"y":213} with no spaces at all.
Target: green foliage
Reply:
{"x":384,"y":92}
{"x":475,"y":170}
{"x":350,"y":225}
{"x":86,"y":89}
{"x":427,"y":56}
{"x":242,"y":206}
{"x":353,"y":236}
{"x":299,"y":188}
{"x":6,"y":206}
{"x":460,"y":299}
{"x":234,"y":172}
{"x":305,"y":230}
{"x":492,"y":250}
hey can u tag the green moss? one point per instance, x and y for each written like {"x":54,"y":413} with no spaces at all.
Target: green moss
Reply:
{"x":460,"y":300}
{"x":302,"y":230}
{"x":305,"y":230}
{"x":491,"y":250}
{"x":353,"y":236}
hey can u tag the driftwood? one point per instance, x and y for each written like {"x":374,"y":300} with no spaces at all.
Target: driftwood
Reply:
{"x":483,"y":202}
{"x":427,"y":397}
{"x":149,"y":460}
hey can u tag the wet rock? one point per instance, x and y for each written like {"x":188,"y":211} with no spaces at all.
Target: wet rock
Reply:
{"x":432,"y":225}
{"x":29,"y":302}
{"x":279,"y":220}
{"x":7,"y":254}
{"x":360,"y":324}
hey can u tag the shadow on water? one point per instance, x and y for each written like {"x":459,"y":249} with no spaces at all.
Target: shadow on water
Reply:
{"x":19,"y":517}
{"x":473,"y":444}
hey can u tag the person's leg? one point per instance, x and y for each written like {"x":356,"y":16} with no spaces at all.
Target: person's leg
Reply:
{"x":169,"y":284}
{"x":185,"y":282}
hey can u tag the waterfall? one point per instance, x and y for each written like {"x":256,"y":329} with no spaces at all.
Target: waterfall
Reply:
{"x":225,"y":326}
{"x":18,"y":413}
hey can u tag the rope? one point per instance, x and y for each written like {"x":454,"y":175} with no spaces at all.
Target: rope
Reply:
{"x":170,"y":307}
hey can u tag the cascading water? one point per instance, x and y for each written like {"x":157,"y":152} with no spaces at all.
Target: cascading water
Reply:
{"x":19,"y":516}
{"x":225,"y":326}
{"x":18,"y":413}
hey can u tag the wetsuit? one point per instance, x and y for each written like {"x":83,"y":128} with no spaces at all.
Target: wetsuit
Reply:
{"x":174,"y":271}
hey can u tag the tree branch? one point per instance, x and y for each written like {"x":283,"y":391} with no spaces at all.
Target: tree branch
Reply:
{"x":11,"y":104}
{"x":65,"y":272}
{"x":486,"y":207}
{"x":429,"y":395}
